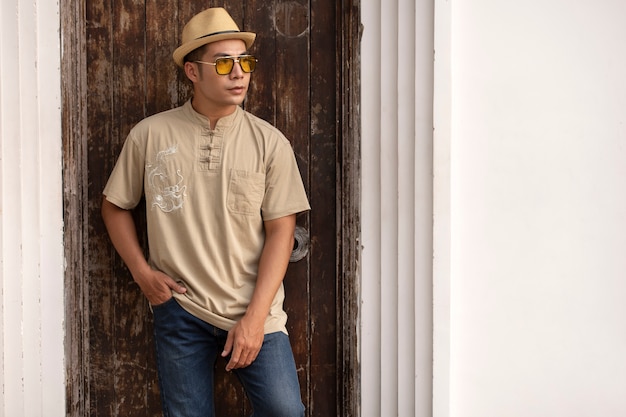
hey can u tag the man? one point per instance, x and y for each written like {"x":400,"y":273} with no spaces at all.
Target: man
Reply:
{"x":222,"y":191}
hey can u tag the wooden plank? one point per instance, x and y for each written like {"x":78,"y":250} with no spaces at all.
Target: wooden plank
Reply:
{"x":162,"y":38}
{"x":100,"y":322}
{"x":261,"y":99}
{"x":292,"y":116}
{"x":118,"y":308}
{"x":324,"y":154}
{"x":129,"y":306}
{"x":349,"y":34}
{"x":74,"y":126}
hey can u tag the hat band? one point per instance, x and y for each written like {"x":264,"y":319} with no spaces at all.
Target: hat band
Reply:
{"x":219,"y":33}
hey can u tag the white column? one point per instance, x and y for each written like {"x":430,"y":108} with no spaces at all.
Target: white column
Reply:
{"x":31,"y":222}
{"x":396,"y":326}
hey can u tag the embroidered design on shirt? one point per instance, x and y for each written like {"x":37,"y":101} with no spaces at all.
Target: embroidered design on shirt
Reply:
{"x":168,"y":193}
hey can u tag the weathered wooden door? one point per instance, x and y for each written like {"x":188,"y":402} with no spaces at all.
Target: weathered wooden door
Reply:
{"x":119,"y":71}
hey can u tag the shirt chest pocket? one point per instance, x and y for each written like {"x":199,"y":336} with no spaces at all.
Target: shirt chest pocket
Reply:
{"x":245,"y":192}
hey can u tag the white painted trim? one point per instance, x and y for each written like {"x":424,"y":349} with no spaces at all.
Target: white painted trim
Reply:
{"x":370,"y":342}
{"x":442,"y":207}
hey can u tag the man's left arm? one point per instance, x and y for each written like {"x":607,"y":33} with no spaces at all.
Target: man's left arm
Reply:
{"x":246,"y":337}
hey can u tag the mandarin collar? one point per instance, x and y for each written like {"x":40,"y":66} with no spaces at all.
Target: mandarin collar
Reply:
{"x":202,"y":120}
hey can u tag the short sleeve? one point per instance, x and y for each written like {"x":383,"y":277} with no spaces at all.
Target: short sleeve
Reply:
{"x":125,"y":185}
{"x":284,"y":190}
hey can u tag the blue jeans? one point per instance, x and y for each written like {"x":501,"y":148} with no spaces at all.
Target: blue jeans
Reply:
{"x":187,"y":349}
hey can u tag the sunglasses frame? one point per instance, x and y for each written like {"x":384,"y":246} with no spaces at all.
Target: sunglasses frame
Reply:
{"x":234,"y":60}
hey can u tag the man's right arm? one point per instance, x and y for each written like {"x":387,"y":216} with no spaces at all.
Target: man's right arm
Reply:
{"x":155,"y":285}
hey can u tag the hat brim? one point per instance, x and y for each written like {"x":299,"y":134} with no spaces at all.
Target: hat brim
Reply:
{"x":180,"y":52}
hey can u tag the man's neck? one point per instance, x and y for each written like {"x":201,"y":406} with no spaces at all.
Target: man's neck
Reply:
{"x":213,"y":113}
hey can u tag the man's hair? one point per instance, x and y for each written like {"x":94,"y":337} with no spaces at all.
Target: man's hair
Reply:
{"x":196,"y":54}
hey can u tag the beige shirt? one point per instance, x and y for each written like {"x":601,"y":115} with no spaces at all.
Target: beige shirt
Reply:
{"x":207,"y":195}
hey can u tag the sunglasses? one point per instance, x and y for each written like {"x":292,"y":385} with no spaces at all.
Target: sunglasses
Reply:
{"x":224,"y":65}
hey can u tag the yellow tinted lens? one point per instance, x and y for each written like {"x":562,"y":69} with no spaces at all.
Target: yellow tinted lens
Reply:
{"x":248,"y":63}
{"x":224,"y":66}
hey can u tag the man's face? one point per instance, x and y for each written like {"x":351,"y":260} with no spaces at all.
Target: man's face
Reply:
{"x":213,"y":89}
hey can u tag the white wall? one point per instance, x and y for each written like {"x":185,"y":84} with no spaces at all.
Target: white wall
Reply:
{"x":531,"y":100}
{"x":31,"y":223}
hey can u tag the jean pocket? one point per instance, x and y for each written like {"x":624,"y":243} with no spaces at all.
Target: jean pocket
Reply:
{"x":163,"y":306}
{"x":245,"y":192}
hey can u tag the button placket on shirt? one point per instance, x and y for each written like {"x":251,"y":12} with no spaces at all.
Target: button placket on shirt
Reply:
{"x":210,"y":149}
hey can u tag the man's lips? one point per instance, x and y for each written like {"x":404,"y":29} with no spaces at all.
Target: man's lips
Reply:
{"x":237,"y":89}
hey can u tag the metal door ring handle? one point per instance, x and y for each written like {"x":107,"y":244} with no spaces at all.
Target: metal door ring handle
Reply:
{"x":300,"y":245}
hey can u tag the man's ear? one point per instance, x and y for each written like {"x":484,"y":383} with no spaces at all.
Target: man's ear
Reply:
{"x":192,"y":71}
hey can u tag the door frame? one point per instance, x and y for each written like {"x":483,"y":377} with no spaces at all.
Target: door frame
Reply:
{"x":350,"y":30}
{"x":75,"y":205}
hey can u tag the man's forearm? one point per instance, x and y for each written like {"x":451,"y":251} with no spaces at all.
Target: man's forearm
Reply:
{"x":123,"y":234}
{"x":272,"y":265}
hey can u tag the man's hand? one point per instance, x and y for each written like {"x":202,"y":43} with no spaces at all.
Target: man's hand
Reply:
{"x":244,"y":341}
{"x":157,"y":286}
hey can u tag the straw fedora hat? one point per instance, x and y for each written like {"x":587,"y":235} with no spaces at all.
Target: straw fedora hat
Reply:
{"x":211,"y":25}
